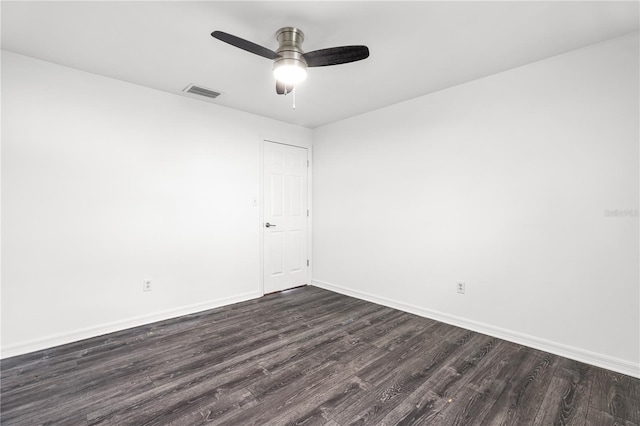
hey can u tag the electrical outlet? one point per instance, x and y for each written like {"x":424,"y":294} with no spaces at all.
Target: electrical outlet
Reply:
{"x":460,"y":287}
{"x":146,"y":285}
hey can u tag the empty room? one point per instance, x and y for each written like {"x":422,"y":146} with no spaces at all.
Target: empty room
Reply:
{"x":320,"y":213}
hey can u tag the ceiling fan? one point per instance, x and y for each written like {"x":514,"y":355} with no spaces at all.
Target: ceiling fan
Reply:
{"x":290,"y":62}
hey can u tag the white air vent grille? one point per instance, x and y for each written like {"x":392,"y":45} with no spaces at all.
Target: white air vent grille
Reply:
{"x":201,"y":91}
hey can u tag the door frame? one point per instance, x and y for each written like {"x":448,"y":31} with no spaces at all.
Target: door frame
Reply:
{"x":299,"y":144}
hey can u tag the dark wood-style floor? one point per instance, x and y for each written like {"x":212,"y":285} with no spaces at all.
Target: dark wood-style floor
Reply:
{"x":308,"y":357}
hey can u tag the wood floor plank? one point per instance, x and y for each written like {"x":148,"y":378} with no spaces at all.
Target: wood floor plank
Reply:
{"x":524,"y":392}
{"x":400,"y":352}
{"x":307,"y":357}
{"x":398,"y":383}
{"x":447,"y":385}
{"x":284,"y":401}
{"x":311,"y":409}
{"x":614,"y":395}
{"x":567,"y":400}
{"x":601,"y":418}
{"x":214,"y":411}
{"x":471,"y":404}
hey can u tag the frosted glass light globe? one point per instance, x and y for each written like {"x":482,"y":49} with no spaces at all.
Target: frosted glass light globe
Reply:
{"x":290,"y":73}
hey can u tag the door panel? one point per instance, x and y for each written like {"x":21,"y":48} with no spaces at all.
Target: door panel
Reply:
{"x":277,"y":253}
{"x":276,"y":200}
{"x":285,"y":210}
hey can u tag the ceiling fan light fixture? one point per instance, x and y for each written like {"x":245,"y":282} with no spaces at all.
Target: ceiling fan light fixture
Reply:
{"x":290,"y":71}
{"x":290,"y":62}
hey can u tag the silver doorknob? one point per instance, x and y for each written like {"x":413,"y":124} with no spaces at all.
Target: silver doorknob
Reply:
{"x":269,"y":225}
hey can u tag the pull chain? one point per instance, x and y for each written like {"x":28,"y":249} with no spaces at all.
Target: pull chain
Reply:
{"x":293,"y":92}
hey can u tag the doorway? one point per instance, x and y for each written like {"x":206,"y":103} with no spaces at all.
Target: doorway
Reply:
{"x":285,"y":216}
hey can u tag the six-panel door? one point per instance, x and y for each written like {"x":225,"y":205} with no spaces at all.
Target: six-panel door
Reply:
{"x":285,"y":216}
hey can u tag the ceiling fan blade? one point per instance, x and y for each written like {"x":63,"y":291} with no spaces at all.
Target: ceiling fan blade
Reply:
{"x":336,"y":55}
{"x":245,"y":45}
{"x":283,"y":89}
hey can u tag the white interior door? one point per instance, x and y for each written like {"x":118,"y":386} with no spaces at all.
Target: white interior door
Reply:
{"x":285,"y":216}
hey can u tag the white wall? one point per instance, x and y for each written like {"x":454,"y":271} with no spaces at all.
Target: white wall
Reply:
{"x":105,"y":184}
{"x":502,"y":183}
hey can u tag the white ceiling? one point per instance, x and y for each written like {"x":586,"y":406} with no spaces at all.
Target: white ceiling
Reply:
{"x":416,"y":47}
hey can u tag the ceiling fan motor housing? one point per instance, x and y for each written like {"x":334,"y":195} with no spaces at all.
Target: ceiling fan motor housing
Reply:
{"x":290,"y":48}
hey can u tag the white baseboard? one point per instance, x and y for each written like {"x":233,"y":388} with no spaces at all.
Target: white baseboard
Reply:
{"x":578,"y":354}
{"x":89,"y":332}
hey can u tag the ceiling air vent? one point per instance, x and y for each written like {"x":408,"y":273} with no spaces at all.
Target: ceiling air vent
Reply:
{"x":201,"y":91}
